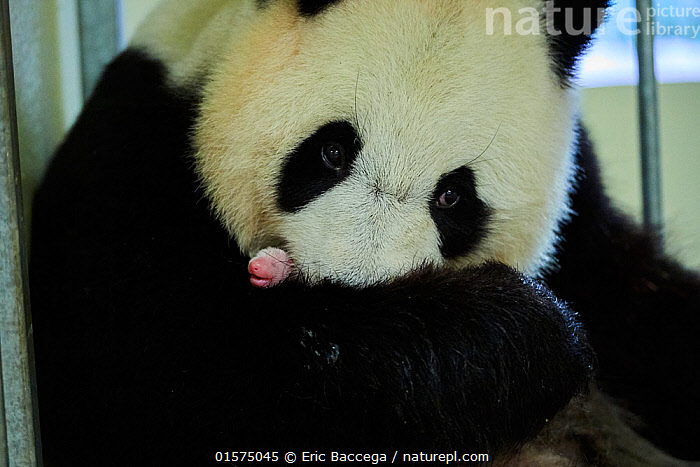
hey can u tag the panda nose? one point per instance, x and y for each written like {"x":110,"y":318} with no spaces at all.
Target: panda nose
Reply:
{"x":380,"y":192}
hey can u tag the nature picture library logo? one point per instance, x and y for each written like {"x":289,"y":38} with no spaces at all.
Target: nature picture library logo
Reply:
{"x":555,"y":21}
{"x":628,"y":21}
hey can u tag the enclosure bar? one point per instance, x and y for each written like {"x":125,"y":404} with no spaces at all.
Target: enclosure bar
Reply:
{"x":99,"y":39}
{"x":649,"y":124}
{"x":19,"y":440}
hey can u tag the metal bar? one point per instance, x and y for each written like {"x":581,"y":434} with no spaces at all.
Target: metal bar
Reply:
{"x":649,"y":124}
{"x":19,"y":440}
{"x":99,"y":39}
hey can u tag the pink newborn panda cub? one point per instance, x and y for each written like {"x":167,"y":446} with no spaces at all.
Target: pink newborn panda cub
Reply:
{"x":269,"y":267}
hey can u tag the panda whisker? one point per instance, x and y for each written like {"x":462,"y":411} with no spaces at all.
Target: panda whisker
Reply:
{"x":360,"y":126}
{"x":357,"y":80}
{"x":276,"y":259}
{"x":487,"y":147}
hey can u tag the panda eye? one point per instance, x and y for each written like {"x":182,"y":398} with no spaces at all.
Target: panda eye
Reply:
{"x":333,"y":156}
{"x":447,"y":199}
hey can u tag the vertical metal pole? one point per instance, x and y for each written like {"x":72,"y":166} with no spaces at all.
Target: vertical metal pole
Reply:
{"x":99,"y":39}
{"x":649,"y":123}
{"x":19,"y":440}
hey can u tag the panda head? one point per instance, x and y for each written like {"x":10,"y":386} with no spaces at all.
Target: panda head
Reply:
{"x":369,"y":137}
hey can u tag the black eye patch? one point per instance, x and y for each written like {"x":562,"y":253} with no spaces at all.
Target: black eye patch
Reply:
{"x":307,"y":173}
{"x":463,"y":223}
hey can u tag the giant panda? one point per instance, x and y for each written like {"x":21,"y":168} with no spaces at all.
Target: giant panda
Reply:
{"x":461,"y":281}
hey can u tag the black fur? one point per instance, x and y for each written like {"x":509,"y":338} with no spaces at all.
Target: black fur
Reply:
{"x":314,"y":7}
{"x":565,"y":45}
{"x":153,"y":349}
{"x":306,"y":8}
{"x":642,"y":312}
{"x":305,"y":177}
{"x":463,"y":225}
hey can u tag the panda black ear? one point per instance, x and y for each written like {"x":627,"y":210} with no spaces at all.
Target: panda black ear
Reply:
{"x":569,"y":26}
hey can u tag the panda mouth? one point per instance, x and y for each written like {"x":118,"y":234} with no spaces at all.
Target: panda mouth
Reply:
{"x":269,"y":267}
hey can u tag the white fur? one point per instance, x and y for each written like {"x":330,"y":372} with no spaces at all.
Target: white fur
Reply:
{"x":427,"y":90}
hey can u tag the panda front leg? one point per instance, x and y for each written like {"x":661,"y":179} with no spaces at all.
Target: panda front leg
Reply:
{"x":269,"y":267}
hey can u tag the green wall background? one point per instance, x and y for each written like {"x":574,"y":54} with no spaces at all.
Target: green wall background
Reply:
{"x":611,"y":115}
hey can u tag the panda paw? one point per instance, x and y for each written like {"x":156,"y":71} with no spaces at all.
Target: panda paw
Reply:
{"x":269,"y":267}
